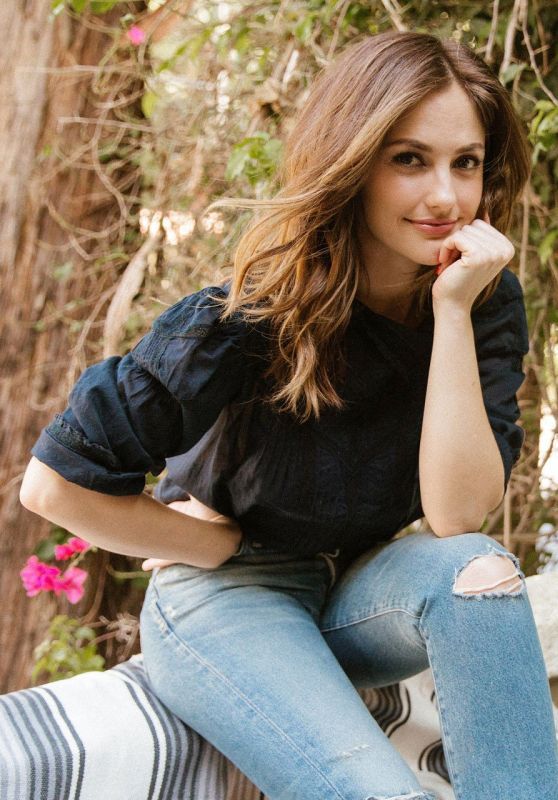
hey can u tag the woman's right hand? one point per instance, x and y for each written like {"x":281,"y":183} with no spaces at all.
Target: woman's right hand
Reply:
{"x":193,"y":508}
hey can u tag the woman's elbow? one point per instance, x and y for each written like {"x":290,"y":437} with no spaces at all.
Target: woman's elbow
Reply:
{"x":39,"y":486}
{"x":443,"y":529}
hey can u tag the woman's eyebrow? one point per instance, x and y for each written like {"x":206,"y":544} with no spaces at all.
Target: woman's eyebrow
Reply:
{"x":421,"y":146}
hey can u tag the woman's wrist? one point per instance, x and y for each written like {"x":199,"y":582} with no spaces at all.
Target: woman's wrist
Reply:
{"x":222,"y":539}
{"x":451,"y":309}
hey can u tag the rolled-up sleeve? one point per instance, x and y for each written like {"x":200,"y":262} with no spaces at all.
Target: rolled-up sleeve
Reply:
{"x":502,"y":340}
{"x":126,"y":415}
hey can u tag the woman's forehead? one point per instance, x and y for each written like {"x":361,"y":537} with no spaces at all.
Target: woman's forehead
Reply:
{"x":447,"y":117}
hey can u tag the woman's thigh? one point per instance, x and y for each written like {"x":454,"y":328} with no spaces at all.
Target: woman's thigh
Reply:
{"x":372,"y":620}
{"x":237,"y":654}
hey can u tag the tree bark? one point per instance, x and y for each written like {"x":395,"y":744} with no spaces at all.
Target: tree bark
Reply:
{"x":51,"y":214}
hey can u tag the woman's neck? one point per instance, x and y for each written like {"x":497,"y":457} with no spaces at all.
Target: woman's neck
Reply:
{"x":388,"y":287}
{"x":403,"y":312}
{"x":390,"y":302}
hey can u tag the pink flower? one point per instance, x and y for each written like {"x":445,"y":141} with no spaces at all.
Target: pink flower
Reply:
{"x":71,"y":583}
{"x":38,"y":577}
{"x":62,"y":552}
{"x":136,"y":35}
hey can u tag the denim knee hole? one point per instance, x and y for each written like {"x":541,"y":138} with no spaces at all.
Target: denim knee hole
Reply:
{"x":481,"y":584}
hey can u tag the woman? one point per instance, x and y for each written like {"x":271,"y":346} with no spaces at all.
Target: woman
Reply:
{"x":369,"y":343}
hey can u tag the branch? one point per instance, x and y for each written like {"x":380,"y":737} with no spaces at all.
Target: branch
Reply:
{"x":533,"y":60}
{"x":393,"y":8}
{"x":161,"y":22}
{"x":510,"y":36}
{"x":489,"y":54}
{"x":128,"y":286}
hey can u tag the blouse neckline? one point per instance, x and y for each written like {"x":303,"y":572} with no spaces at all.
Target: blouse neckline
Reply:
{"x":424,"y":325}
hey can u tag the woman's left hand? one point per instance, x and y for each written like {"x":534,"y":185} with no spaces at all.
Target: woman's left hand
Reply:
{"x":468,"y":260}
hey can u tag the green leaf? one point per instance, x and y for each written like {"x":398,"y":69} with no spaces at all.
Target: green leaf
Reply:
{"x":255,"y":158}
{"x":191,"y":48}
{"x":63,"y":271}
{"x":102,"y":6}
{"x":510,"y":72}
{"x":148,"y":102}
{"x":63,"y":653}
{"x":235,"y":164}
{"x":45,"y":152}
{"x":359,"y":16}
{"x":194,"y":45}
{"x":242,"y":42}
{"x":303,"y":31}
{"x":78,"y":5}
{"x":84,"y":633}
{"x":545,"y":105}
{"x":56,"y":7}
{"x":44,"y":550}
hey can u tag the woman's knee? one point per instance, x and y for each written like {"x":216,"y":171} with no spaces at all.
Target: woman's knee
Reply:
{"x":479,"y":566}
{"x":492,"y":572}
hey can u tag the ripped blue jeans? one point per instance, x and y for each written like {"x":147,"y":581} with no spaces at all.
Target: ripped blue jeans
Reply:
{"x":262,"y":655}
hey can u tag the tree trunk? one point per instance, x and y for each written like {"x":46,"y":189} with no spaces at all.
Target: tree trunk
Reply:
{"x":51,"y":214}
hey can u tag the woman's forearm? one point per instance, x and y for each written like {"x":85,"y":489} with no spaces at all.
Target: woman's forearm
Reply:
{"x":134,"y":525}
{"x":460,"y":466}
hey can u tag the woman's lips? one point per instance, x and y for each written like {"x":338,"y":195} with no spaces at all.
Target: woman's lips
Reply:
{"x":433,"y":230}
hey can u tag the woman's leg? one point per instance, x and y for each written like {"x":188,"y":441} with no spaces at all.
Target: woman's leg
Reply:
{"x":459,"y":604}
{"x":237,"y":654}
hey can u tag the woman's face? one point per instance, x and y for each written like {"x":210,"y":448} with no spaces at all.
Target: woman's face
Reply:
{"x":436,"y":176}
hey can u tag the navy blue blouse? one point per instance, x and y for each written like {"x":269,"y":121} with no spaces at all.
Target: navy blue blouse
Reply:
{"x":188,"y":397}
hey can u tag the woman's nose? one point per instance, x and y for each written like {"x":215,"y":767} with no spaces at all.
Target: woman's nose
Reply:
{"x":441,"y":193}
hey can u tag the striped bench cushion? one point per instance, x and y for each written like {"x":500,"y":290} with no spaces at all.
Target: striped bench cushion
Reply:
{"x":105,"y":736}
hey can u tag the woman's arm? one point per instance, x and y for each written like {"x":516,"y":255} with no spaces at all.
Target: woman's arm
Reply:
{"x":134,"y":525}
{"x":461,"y":470}
{"x":460,"y":466}
{"x":125,"y":416}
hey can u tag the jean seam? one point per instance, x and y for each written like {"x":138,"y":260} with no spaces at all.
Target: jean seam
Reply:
{"x":348,"y":623}
{"x":373,"y":616}
{"x":211,"y":668}
{"x":446,"y":739}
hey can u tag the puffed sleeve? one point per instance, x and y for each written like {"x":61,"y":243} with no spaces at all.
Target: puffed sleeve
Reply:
{"x":125,"y":415}
{"x":502,"y":339}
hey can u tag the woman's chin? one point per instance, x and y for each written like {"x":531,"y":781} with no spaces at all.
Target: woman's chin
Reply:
{"x":430,"y":259}
{"x":426,"y":256}
{"x":426,"y":260}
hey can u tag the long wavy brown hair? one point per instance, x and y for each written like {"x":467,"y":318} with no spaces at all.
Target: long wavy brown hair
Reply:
{"x":298,"y":264}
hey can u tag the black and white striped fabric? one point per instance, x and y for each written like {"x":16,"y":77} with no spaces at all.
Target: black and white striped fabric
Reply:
{"x":105,"y":736}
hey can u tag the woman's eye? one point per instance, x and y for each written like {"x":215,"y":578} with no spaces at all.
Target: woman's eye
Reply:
{"x":406,"y":159}
{"x":414,"y":160}
{"x":473,"y":161}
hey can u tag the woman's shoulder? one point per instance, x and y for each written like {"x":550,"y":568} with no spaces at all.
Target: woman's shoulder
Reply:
{"x":198,"y":314}
{"x":191,"y":346}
